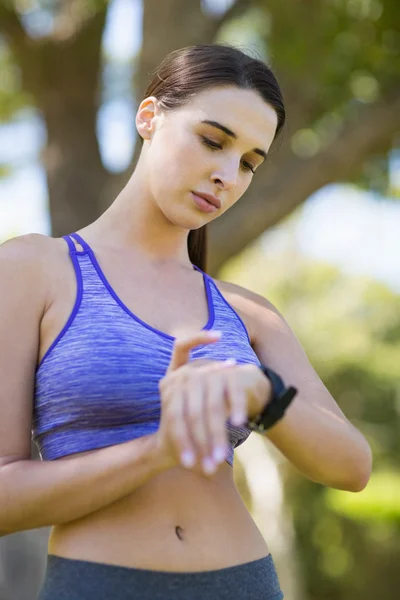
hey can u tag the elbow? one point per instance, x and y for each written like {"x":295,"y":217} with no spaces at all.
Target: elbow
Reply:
{"x":358,"y":485}
{"x":350,"y":484}
{"x":358,"y":480}
{"x":365,"y":470}
{"x":353,"y":483}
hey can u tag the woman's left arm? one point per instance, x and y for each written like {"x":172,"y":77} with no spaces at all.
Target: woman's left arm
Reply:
{"x":314,"y":434}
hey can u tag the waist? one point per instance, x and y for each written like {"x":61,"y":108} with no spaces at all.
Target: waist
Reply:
{"x":178,"y":521}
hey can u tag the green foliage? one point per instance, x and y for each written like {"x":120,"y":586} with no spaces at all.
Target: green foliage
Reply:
{"x":379,"y":502}
{"x":331,"y":58}
{"x":12,"y":97}
{"x":348,"y":543}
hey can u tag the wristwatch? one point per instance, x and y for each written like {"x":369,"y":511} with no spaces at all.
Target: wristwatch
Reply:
{"x":282,"y":396}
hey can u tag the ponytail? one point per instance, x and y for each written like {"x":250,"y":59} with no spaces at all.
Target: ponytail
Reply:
{"x":197,"y":247}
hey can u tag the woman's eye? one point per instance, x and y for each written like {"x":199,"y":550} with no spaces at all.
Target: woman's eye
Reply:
{"x":248,"y":167}
{"x":213,"y":145}
{"x":209,"y":143}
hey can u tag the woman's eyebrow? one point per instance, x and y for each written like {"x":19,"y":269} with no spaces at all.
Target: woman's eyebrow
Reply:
{"x":232,"y":134}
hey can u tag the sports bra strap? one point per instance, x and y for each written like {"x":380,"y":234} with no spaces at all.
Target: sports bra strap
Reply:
{"x":87,"y":248}
{"x":71,"y":245}
{"x":81,"y":241}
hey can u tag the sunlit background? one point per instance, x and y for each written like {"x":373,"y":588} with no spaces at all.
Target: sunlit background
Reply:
{"x":332,"y":267}
{"x":355,"y":230}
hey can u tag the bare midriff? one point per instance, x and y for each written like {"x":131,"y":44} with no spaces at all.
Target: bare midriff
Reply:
{"x":179,"y":521}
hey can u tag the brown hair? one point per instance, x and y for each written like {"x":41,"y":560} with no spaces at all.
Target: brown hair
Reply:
{"x":186,"y":71}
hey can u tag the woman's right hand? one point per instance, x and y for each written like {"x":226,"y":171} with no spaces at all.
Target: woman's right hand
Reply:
{"x":193,"y":406}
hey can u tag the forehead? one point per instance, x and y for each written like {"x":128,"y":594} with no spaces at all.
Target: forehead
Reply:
{"x":243,"y":111}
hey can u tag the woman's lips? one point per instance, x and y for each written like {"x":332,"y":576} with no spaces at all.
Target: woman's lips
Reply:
{"x":204,"y":205}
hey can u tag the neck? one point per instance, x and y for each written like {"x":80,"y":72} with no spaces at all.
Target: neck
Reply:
{"x":134,"y":221}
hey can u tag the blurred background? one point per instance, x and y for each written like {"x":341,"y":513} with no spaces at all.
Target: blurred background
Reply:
{"x":321,"y":239}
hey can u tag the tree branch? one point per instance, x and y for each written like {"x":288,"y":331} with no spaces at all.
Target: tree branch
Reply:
{"x":10,"y":25}
{"x":288,"y":183}
{"x":235,"y":11}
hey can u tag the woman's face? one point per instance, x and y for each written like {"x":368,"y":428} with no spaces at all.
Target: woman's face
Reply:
{"x":183,"y":154}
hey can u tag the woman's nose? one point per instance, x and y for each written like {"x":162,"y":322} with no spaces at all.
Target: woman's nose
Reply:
{"x":227,"y":175}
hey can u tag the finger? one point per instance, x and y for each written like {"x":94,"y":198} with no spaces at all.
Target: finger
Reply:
{"x":194,"y":413}
{"x":194,"y":394}
{"x":182,"y":347}
{"x":197,"y":395}
{"x":216,"y":415}
{"x":176,"y":377}
{"x":177,"y":425}
{"x":237,"y":401}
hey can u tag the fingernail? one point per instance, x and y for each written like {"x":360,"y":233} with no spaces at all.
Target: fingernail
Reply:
{"x":238,"y":418}
{"x":219,"y":454}
{"x":208,"y":465}
{"x":188,"y":459}
{"x":215,"y":333}
{"x":229,"y":362}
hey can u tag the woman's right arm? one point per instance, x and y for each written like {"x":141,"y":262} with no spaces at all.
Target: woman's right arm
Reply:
{"x":42,"y":493}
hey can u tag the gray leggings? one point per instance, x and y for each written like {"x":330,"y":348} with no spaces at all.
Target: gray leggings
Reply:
{"x":70,"y":579}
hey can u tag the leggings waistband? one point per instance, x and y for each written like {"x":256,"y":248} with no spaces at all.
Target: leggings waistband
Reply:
{"x":72,"y":579}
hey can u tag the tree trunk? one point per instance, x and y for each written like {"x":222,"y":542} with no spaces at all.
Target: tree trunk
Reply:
{"x":62,"y":73}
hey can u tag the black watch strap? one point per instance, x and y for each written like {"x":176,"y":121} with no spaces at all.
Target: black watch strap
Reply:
{"x":282,"y":396}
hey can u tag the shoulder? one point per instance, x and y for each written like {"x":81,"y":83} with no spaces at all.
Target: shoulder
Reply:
{"x":27,"y":248}
{"x":27,"y":261}
{"x":253,"y":308}
{"x":33,"y":251}
{"x":24,"y":253}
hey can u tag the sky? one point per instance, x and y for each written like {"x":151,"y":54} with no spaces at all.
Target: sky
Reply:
{"x":357,"y":231}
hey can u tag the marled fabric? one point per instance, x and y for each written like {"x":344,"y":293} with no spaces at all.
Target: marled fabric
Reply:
{"x":97,"y":385}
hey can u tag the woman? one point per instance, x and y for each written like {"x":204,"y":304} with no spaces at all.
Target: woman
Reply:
{"x":106,"y":325}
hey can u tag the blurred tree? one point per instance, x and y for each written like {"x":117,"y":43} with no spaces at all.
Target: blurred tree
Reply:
{"x":338,"y":65}
{"x":337,"y":62}
{"x":348,"y":545}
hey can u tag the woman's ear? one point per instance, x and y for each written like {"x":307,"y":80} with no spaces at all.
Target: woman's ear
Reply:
{"x":145,"y":115}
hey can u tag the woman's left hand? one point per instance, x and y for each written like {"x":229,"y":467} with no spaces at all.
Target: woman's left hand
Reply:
{"x":247,"y":390}
{"x":237,"y":392}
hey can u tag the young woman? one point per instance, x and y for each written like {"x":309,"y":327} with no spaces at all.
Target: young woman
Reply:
{"x":109,"y":360}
